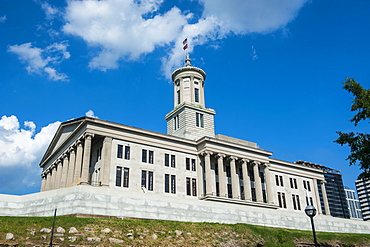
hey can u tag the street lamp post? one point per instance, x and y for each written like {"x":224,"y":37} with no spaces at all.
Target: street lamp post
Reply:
{"x":311,"y":212}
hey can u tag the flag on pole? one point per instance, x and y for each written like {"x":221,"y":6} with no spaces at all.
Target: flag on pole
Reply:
{"x":185,"y":43}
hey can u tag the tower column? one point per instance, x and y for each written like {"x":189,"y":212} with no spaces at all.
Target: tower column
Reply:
{"x":78,"y":163}
{"x":59,"y":171}
{"x":63,"y":181}
{"x":325,"y":197}
{"x":317,"y":196}
{"x":270,"y":197}
{"x":246,"y":180}
{"x":86,"y":159}
{"x":200,"y":174}
{"x":257,"y":181}
{"x":221,"y":175}
{"x":71,"y":166}
{"x":210,"y":179}
{"x":234,"y":178}
{"x":106,"y":158}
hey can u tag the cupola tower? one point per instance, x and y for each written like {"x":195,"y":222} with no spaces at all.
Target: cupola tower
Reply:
{"x":190,"y":118}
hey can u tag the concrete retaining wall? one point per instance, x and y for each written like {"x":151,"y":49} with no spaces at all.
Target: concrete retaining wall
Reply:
{"x":121,"y":204}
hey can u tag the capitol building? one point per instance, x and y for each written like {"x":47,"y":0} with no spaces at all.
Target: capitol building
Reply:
{"x":96,"y":167}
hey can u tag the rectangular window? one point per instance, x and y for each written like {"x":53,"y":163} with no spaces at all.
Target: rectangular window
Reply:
{"x":196,"y":95}
{"x":194,"y":186}
{"x":166,"y":183}
{"x":170,"y":183}
{"x":147,"y":180}
{"x":291,"y":182}
{"x":119,"y":151}
{"x":150,"y":181}
{"x":126,"y":177}
{"x":118,"y":175}
{"x":187,"y":163}
{"x":193,"y":165}
{"x":295,"y":183}
{"x":173,"y":160}
{"x":283,"y":200}
{"x":143,"y":178}
{"x":151,"y":157}
{"x":176,"y":122}
{"x":281,"y":182}
{"x":188,"y":186}
{"x":308,"y":186}
{"x":199,"y":120}
{"x":173,"y":184}
{"x":127,"y":152}
{"x":277,"y":182}
{"x":144,"y":155}
{"x":166,"y":160}
{"x":178,"y":97}
{"x":279,"y":199}
{"x":296,"y":203}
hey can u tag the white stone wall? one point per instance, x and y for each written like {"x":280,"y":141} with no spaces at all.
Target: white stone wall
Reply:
{"x":105,"y":201}
{"x":158,"y":168}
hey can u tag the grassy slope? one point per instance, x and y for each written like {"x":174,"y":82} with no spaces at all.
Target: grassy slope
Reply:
{"x":201,"y":234}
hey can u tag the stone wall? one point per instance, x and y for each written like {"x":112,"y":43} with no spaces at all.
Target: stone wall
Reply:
{"x":109,"y":202}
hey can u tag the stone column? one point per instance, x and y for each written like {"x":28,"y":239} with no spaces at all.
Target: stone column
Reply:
{"x":257,"y":182}
{"x":63,"y":181}
{"x":78,"y":163}
{"x":325,"y":197}
{"x":58,"y":177}
{"x":246,"y":180}
{"x":49,"y":179}
{"x":86,"y":159}
{"x":221,"y":175}
{"x":200,"y":173}
{"x":43,"y":181}
{"x":270,"y":196}
{"x":106,"y":161}
{"x":71,"y":167}
{"x":317,"y":196}
{"x":210,"y":180}
{"x":235,"y":187}
{"x":53,"y":177}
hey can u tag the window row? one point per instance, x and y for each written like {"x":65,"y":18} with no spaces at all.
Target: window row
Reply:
{"x":293,"y":183}
{"x":147,"y":156}
{"x":295,"y":201}
{"x":147,"y":181}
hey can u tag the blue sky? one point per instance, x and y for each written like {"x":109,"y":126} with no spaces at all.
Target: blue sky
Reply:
{"x":274,"y":72}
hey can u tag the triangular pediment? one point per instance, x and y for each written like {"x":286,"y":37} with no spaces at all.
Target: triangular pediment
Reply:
{"x":64,"y":131}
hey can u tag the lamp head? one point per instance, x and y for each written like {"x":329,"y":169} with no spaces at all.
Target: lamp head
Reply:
{"x":310,"y":211}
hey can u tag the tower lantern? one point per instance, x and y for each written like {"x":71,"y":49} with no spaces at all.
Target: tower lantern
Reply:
{"x":190,"y":118}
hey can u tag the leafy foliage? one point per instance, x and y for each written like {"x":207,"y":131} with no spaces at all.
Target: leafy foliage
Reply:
{"x":359,"y":143}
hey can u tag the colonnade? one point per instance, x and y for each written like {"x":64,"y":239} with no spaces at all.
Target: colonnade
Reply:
{"x":254,"y":167}
{"x":72,"y":166}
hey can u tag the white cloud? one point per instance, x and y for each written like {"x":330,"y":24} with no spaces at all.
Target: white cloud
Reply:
{"x":21,"y":150}
{"x":42,"y":61}
{"x":23,"y":146}
{"x":90,"y":113}
{"x":3,"y":18}
{"x":119,"y":29}
{"x":49,"y":10}
{"x":246,"y":16}
{"x":126,"y":30}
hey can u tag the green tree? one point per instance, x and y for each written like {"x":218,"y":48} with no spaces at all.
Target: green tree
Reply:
{"x":359,"y":143}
